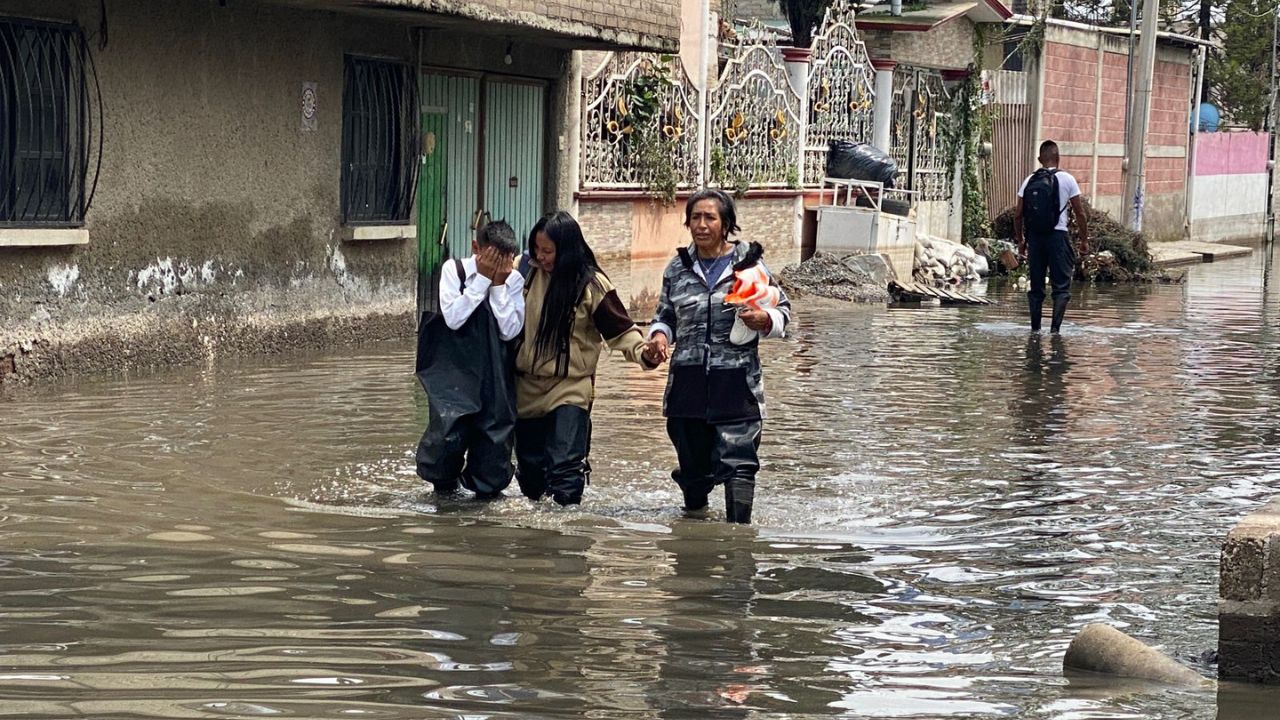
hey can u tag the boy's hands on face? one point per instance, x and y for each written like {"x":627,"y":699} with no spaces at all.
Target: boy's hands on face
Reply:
{"x":505,"y":264}
{"x":487,"y":263}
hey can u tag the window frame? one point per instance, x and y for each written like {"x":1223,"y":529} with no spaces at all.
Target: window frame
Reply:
{"x":56,"y":138}
{"x":380,"y":141}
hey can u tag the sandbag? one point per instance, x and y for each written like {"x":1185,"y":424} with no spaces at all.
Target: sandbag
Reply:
{"x":860,"y":161}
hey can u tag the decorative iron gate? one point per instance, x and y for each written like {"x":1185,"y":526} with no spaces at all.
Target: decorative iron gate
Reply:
{"x":633,"y":101}
{"x":755,"y":123}
{"x":921,"y":111}
{"x":841,"y":89}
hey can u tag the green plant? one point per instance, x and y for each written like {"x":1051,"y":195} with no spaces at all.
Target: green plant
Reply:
{"x":652,"y":131}
{"x":719,"y":175}
{"x":793,"y":179}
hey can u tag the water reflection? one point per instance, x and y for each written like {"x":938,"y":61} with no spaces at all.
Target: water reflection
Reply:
{"x":1041,"y":407}
{"x":944,"y":501}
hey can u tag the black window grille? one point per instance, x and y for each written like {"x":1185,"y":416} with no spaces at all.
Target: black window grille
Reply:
{"x":1012,"y":55}
{"x":46,"y":124}
{"x":379,"y":141}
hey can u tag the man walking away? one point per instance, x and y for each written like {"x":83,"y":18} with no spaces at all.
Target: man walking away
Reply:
{"x":1040,"y":226}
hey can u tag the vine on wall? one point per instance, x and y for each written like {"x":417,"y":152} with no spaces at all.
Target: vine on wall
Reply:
{"x":654,"y":130}
{"x":972,"y":121}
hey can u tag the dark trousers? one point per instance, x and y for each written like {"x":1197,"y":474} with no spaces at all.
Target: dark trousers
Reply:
{"x":473,"y":450}
{"x":551,"y":454}
{"x":1052,"y":253}
{"x":720,"y":454}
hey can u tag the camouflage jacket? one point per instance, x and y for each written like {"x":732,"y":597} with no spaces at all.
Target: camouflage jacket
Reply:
{"x":711,"y":378}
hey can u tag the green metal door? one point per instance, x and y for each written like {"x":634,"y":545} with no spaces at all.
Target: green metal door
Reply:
{"x":457,"y":99}
{"x":515,"y":116}
{"x":431,"y":209}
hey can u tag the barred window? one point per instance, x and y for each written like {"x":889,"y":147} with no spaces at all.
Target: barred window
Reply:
{"x":379,"y":142}
{"x":45,"y":124}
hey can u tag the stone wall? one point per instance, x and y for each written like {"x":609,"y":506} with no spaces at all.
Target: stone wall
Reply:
{"x":947,"y":46}
{"x":1249,"y":599}
{"x":766,"y":10}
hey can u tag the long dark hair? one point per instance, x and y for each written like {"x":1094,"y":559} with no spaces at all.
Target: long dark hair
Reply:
{"x":575,"y":267}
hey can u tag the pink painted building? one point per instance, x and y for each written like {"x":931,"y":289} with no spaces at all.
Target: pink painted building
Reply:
{"x":1229,"y":186}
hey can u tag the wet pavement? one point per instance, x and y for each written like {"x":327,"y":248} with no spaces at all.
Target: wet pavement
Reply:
{"x":944,"y":502}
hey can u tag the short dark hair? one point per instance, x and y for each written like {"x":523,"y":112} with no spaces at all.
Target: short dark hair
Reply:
{"x":1048,"y":148}
{"x":728,"y":211}
{"x":498,"y":234}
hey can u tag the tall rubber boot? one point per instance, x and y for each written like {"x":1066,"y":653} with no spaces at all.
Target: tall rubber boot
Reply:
{"x":737,"y":505}
{"x":1035,"y":308}
{"x":1059,"y":311}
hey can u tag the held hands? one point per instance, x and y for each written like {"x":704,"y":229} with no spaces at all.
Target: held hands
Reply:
{"x":657,"y":349}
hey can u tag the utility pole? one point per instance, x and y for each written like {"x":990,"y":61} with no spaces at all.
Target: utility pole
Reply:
{"x":1135,"y":142}
{"x":1271,"y":132}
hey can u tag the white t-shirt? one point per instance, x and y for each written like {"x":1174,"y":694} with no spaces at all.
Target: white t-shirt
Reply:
{"x":1067,"y":188}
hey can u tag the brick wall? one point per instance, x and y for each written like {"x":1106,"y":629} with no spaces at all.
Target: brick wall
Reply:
{"x":949,"y":45}
{"x":1115,"y":76}
{"x":1071,"y":116}
{"x":1070,"y":93}
{"x":651,"y":24}
{"x":1170,"y":100}
{"x":607,"y":227}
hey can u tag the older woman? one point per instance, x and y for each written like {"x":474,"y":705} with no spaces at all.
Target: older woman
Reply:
{"x":714,"y":402}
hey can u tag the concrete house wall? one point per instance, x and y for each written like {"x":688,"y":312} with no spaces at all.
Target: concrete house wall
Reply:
{"x":216,"y":225}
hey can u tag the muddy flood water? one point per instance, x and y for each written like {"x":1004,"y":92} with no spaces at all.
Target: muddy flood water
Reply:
{"x":943,"y":504}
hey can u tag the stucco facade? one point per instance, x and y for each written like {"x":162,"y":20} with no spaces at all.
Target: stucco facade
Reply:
{"x":216,"y":224}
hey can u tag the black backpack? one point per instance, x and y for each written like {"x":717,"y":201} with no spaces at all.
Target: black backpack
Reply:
{"x":1040,"y":208}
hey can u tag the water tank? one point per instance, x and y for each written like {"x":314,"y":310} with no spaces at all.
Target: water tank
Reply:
{"x":1209,"y":118}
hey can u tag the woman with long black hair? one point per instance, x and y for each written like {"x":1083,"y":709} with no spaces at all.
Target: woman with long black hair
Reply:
{"x":572,"y":312}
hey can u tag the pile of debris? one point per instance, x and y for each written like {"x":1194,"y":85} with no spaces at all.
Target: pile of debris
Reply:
{"x":853,"y":278}
{"x":1117,"y":254}
{"x":942,"y":262}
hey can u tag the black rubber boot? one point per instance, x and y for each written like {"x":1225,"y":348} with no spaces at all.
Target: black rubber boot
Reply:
{"x":1036,"y":311}
{"x":694,"y":501}
{"x":738,"y":497}
{"x":1059,"y":311}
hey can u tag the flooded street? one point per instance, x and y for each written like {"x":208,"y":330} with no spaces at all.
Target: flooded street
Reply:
{"x":943,"y":504}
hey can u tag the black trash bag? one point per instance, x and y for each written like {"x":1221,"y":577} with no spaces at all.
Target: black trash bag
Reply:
{"x":860,"y":161}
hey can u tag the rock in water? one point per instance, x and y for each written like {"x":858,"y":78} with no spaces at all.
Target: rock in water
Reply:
{"x":1103,"y":649}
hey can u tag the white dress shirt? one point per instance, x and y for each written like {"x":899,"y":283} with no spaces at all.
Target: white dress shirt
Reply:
{"x":506,"y":301}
